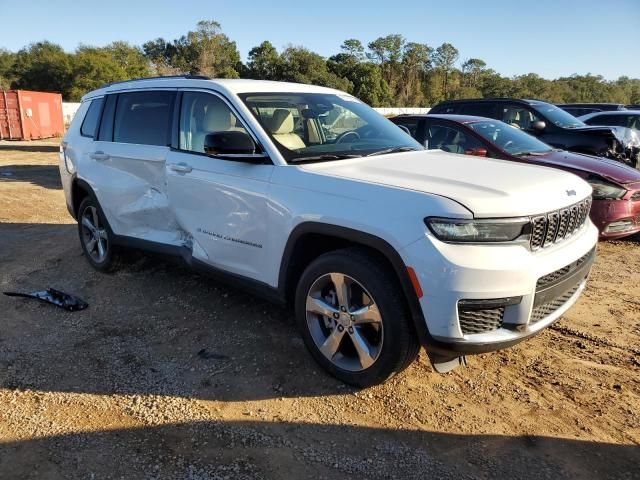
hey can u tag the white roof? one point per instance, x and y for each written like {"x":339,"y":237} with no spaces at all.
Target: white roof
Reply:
{"x":229,"y":85}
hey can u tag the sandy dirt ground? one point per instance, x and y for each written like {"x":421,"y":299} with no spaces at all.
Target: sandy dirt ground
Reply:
{"x":171,"y":375}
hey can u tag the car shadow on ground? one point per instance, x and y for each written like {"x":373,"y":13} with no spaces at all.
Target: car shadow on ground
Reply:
{"x":46,"y":176}
{"x":38,"y":147}
{"x":278,"y":450}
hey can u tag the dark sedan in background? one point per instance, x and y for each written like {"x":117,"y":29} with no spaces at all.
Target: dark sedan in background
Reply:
{"x":616,"y":187}
{"x":552,"y":125}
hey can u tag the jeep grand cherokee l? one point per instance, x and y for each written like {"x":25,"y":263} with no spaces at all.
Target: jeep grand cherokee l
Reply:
{"x":307,"y":196}
{"x":553,"y":126}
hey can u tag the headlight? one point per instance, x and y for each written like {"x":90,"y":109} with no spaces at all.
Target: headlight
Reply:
{"x":479,"y":230}
{"x":605,"y":190}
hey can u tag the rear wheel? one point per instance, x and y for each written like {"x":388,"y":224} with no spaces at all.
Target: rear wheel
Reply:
{"x":95,"y":238}
{"x":353,"y":317}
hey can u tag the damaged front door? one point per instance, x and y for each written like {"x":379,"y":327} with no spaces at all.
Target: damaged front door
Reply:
{"x":222,"y":204}
{"x":129,"y":161}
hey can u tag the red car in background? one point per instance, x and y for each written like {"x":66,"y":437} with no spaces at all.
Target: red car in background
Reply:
{"x":616,"y":187}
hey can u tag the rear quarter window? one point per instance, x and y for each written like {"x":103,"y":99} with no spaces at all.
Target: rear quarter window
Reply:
{"x":90,"y":122}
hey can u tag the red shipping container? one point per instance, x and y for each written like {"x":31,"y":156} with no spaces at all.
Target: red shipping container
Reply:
{"x":26,"y":115}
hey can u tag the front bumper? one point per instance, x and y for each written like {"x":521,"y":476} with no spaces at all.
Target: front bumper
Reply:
{"x":616,"y":218}
{"x":455,"y":278}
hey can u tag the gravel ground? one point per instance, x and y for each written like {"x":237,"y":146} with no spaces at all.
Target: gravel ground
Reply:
{"x":171,"y":375}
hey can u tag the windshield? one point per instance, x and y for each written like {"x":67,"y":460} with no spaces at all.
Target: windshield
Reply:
{"x":510,"y":139}
{"x":559,"y":117}
{"x":321,"y":126}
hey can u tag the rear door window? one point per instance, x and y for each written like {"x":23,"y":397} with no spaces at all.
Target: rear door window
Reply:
{"x":480,"y":109}
{"x":90,"y":122}
{"x":144,"y":118}
{"x":519,"y":116}
{"x":409,"y":123}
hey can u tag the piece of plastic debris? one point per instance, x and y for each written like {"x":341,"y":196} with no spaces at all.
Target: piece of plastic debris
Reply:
{"x":69,"y":302}
{"x":206,"y":355}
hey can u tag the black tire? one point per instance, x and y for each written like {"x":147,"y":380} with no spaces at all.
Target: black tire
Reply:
{"x":113,"y":258}
{"x":400,"y":345}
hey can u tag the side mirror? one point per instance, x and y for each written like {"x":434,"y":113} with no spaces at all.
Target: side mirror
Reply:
{"x":233,"y":145}
{"x":538,"y":126}
{"x":476,"y":152}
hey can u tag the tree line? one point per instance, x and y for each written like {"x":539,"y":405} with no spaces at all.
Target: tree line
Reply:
{"x":388,"y":71}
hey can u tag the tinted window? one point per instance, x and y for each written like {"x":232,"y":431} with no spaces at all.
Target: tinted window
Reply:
{"x":480,"y":109}
{"x":451,"y":139}
{"x":202,"y":114}
{"x":410,"y":123}
{"x":105,"y":132}
{"x":143,"y":118}
{"x":90,"y":122}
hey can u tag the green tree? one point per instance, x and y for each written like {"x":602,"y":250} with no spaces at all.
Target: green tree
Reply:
{"x":43,"y":66}
{"x":304,"y":66}
{"x":444,"y":58}
{"x":204,"y":51}
{"x":6,"y":64}
{"x":387,"y":52}
{"x":264,"y":62}
{"x":471,"y":70}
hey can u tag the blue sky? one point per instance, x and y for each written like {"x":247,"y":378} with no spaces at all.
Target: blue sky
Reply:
{"x":552,"y":38}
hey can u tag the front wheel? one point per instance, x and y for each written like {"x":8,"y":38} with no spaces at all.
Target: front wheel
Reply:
{"x":353,"y":317}
{"x":95,"y":238}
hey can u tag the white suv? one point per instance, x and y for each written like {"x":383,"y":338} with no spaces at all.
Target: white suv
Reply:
{"x":307,"y":196}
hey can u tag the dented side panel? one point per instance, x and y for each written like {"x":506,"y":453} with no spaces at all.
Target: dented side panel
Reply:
{"x":131,"y":185}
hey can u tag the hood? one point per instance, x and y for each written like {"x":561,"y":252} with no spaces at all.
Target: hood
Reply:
{"x":487,"y":187}
{"x":611,"y":170}
{"x":626,"y":136}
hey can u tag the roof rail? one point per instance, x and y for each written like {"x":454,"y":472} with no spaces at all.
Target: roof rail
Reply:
{"x":189,"y":76}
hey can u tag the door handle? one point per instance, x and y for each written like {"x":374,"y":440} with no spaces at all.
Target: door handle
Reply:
{"x":100,"y":156}
{"x":181,"y":167}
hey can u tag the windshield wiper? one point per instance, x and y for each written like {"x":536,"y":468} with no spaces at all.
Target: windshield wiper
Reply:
{"x":392,"y":150}
{"x":325,"y":157}
{"x":530,"y":154}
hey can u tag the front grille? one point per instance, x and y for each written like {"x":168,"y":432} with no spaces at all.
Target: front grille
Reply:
{"x":562,"y":272}
{"x":546,"y":309}
{"x":554,"y":227}
{"x":480,"y":321}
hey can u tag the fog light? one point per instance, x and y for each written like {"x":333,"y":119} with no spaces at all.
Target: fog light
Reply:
{"x":619,"y":226}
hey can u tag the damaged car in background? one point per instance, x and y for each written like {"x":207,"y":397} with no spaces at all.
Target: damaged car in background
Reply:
{"x":616,"y":187}
{"x":553,"y":126}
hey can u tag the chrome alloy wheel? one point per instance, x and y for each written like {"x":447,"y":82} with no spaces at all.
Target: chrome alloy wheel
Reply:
{"x":94,"y":236}
{"x":344,"y":322}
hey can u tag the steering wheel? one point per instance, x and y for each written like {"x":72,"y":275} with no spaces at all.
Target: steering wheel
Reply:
{"x":349,"y":134}
{"x":506,"y":145}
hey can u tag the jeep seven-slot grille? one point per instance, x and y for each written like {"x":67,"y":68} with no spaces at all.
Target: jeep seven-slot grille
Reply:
{"x":480,"y":321}
{"x":546,"y":309}
{"x":554,"y":227}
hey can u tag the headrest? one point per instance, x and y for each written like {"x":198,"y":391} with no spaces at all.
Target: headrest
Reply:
{"x":217,"y":118}
{"x":281,"y":122}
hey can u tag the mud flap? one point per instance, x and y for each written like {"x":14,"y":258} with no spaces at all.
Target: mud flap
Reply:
{"x":443,"y":364}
